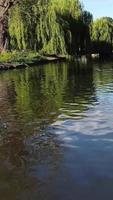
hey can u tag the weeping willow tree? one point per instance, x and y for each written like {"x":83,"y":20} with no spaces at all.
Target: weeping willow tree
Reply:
{"x":67,"y":27}
{"x":50,"y":34}
{"x":60,"y":17}
{"x":22,"y":25}
{"x":102,"y":35}
{"x":49,"y":26}
{"x":37,"y":27}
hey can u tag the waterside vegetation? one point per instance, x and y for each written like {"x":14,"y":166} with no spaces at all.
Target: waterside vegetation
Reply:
{"x":33,"y":30}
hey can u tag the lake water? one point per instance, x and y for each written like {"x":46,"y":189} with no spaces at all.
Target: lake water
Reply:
{"x":56,"y":132}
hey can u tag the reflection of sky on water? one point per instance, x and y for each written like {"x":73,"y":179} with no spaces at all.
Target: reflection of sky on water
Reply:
{"x":58,"y":138}
{"x":95,"y":122}
{"x":88,"y":139}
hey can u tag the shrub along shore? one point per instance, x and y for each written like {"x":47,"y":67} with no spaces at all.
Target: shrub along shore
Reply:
{"x":14,"y":60}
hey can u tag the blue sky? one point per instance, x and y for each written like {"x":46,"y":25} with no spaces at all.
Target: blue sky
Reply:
{"x":99,"y":8}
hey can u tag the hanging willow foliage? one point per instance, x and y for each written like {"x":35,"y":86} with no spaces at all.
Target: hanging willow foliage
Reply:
{"x":45,"y":25}
{"x":50,"y":32}
{"x":17,"y":29}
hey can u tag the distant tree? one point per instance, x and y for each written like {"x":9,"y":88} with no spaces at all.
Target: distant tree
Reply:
{"x":102,"y":34}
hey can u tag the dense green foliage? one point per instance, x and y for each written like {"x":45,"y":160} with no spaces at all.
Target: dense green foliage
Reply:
{"x":50,"y":26}
{"x":56,"y":27}
{"x":20,"y":57}
{"x":102,"y":35}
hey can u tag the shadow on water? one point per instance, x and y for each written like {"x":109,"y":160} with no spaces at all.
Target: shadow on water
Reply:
{"x":56,"y":132}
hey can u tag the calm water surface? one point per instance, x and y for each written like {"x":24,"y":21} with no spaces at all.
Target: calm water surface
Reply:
{"x":56,"y":132}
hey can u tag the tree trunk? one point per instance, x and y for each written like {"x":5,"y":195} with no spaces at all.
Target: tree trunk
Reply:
{"x":3,"y":35}
{"x":5,"y":5}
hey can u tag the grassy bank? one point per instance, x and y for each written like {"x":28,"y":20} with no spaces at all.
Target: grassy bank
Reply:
{"x":12,"y":60}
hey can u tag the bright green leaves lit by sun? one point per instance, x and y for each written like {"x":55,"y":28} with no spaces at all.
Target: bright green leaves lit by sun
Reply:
{"x":17,"y":29}
{"x":102,"y":34}
{"x":55,"y":27}
{"x":49,"y":26}
{"x":103,"y":29}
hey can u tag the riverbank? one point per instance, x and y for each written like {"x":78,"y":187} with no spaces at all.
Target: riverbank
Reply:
{"x":15,"y":60}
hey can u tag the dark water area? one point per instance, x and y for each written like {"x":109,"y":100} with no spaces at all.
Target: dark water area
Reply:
{"x":56,"y":132}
